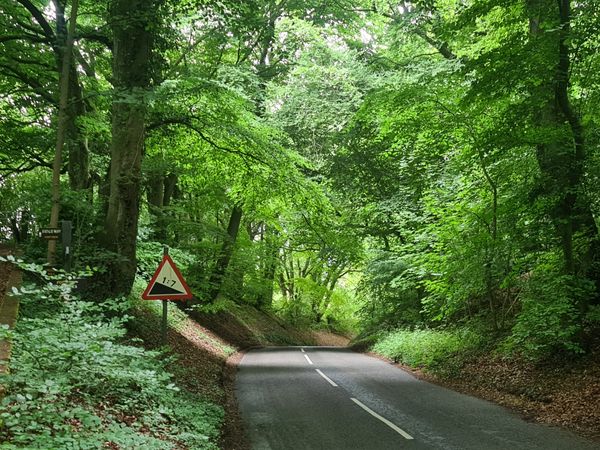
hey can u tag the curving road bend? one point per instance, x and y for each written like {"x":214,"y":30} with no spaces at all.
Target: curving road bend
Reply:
{"x":332,"y":398}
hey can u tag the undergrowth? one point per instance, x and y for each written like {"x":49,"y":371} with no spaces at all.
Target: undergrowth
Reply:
{"x":177,"y":319}
{"x":76,"y":383}
{"x":442,"y":352}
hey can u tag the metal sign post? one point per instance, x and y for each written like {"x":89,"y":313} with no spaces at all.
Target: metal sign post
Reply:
{"x":163,"y":325}
{"x":165,"y":309}
{"x":66,"y":236}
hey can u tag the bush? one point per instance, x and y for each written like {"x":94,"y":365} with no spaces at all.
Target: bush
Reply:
{"x":390,"y":292}
{"x":440,"y":351}
{"x":549,"y":321}
{"x":76,"y":384}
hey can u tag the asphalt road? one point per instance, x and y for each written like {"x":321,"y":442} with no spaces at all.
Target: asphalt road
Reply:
{"x":332,"y":398}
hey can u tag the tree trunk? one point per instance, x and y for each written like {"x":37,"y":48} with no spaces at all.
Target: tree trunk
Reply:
{"x":562,"y":161}
{"x":131,"y":23}
{"x":62,"y":127}
{"x":77,"y":147}
{"x":270,"y":266}
{"x":155,"y":194}
{"x":171,"y":190}
{"x":218,"y":274}
{"x":78,"y":151}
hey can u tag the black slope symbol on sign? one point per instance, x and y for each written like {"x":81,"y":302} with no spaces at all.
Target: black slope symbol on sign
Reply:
{"x":171,"y":286}
{"x":161,"y":289}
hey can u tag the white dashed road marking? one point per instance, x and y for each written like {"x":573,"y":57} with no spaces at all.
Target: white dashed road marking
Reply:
{"x":329,"y":380}
{"x":383,"y":419}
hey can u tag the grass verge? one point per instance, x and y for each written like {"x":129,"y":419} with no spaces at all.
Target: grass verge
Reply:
{"x":442,"y":352}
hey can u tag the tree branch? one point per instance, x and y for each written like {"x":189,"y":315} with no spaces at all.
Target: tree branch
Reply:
{"x":33,"y":84}
{"x":25,"y":36}
{"x":188,"y":124}
{"x":87,"y":68}
{"x":40,"y":19}
{"x":441,"y":47}
{"x":29,"y":27}
{"x":95,"y":36}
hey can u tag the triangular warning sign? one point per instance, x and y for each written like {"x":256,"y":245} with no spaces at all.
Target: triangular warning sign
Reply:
{"x":167,"y":283}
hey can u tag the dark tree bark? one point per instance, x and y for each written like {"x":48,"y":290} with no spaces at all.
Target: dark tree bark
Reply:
{"x":161,"y":188}
{"x":562,"y":161}
{"x":218,"y":274}
{"x":77,"y":148}
{"x":171,"y":191}
{"x":155,"y":194}
{"x":131,"y":24}
{"x":19,"y":226}
{"x":77,"y":145}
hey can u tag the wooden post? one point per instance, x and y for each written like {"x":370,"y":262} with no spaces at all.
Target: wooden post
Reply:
{"x":62,"y":127}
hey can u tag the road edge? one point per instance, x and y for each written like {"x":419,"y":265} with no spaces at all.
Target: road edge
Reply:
{"x":473,"y":391}
{"x":233,"y":435}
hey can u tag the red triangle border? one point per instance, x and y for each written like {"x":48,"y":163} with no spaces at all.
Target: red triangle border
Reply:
{"x":185,"y":296}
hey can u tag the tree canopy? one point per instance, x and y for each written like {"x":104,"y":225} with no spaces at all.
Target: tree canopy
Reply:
{"x":363,"y":165}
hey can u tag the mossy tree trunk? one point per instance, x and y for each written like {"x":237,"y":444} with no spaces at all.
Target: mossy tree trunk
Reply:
{"x":562,"y":157}
{"x":131,"y":25}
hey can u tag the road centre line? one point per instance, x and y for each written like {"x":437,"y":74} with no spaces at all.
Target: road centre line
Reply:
{"x":329,"y":380}
{"x":383,"y":419}
{"x":308,"y":359}
{"x":302,"y":350}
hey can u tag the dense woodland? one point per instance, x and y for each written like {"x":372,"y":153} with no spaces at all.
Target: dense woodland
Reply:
{"x":377,"y":168}
{"x":364,"y":165}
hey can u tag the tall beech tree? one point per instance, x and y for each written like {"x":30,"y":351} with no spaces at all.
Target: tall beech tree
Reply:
{"x":563,"y":157}
{"x":133,"y":23}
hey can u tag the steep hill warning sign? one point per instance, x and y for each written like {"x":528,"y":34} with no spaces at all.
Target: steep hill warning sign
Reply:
{"x":167,"y":283}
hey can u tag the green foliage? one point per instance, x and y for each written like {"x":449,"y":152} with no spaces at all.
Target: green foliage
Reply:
{"x":593,"y":316}
{"x":318,"y":306}
{"x":24,"y":200}
{"x":391,"y":293}
{"x":439,"y":351}
{"x":149,"y":254}
{"x":422,"y":145}
{"x":549,"y":321}
{"x":75,"y":382}
{"x":321,"y":92}
{"x":341,"y":313}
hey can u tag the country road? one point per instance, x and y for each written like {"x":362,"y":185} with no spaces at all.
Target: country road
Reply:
{"x":332,"y":398}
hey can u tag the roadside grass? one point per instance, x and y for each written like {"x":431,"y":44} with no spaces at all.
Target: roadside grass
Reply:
{"x":442,"y":352}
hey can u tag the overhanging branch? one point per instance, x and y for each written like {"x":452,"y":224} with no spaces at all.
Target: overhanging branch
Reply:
{"x":33,"y":84}
{"x":40,"y":19}
{"x":188,"y":124}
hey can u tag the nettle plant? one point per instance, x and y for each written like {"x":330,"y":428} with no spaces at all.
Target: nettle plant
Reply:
{"x":75,"y":382}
